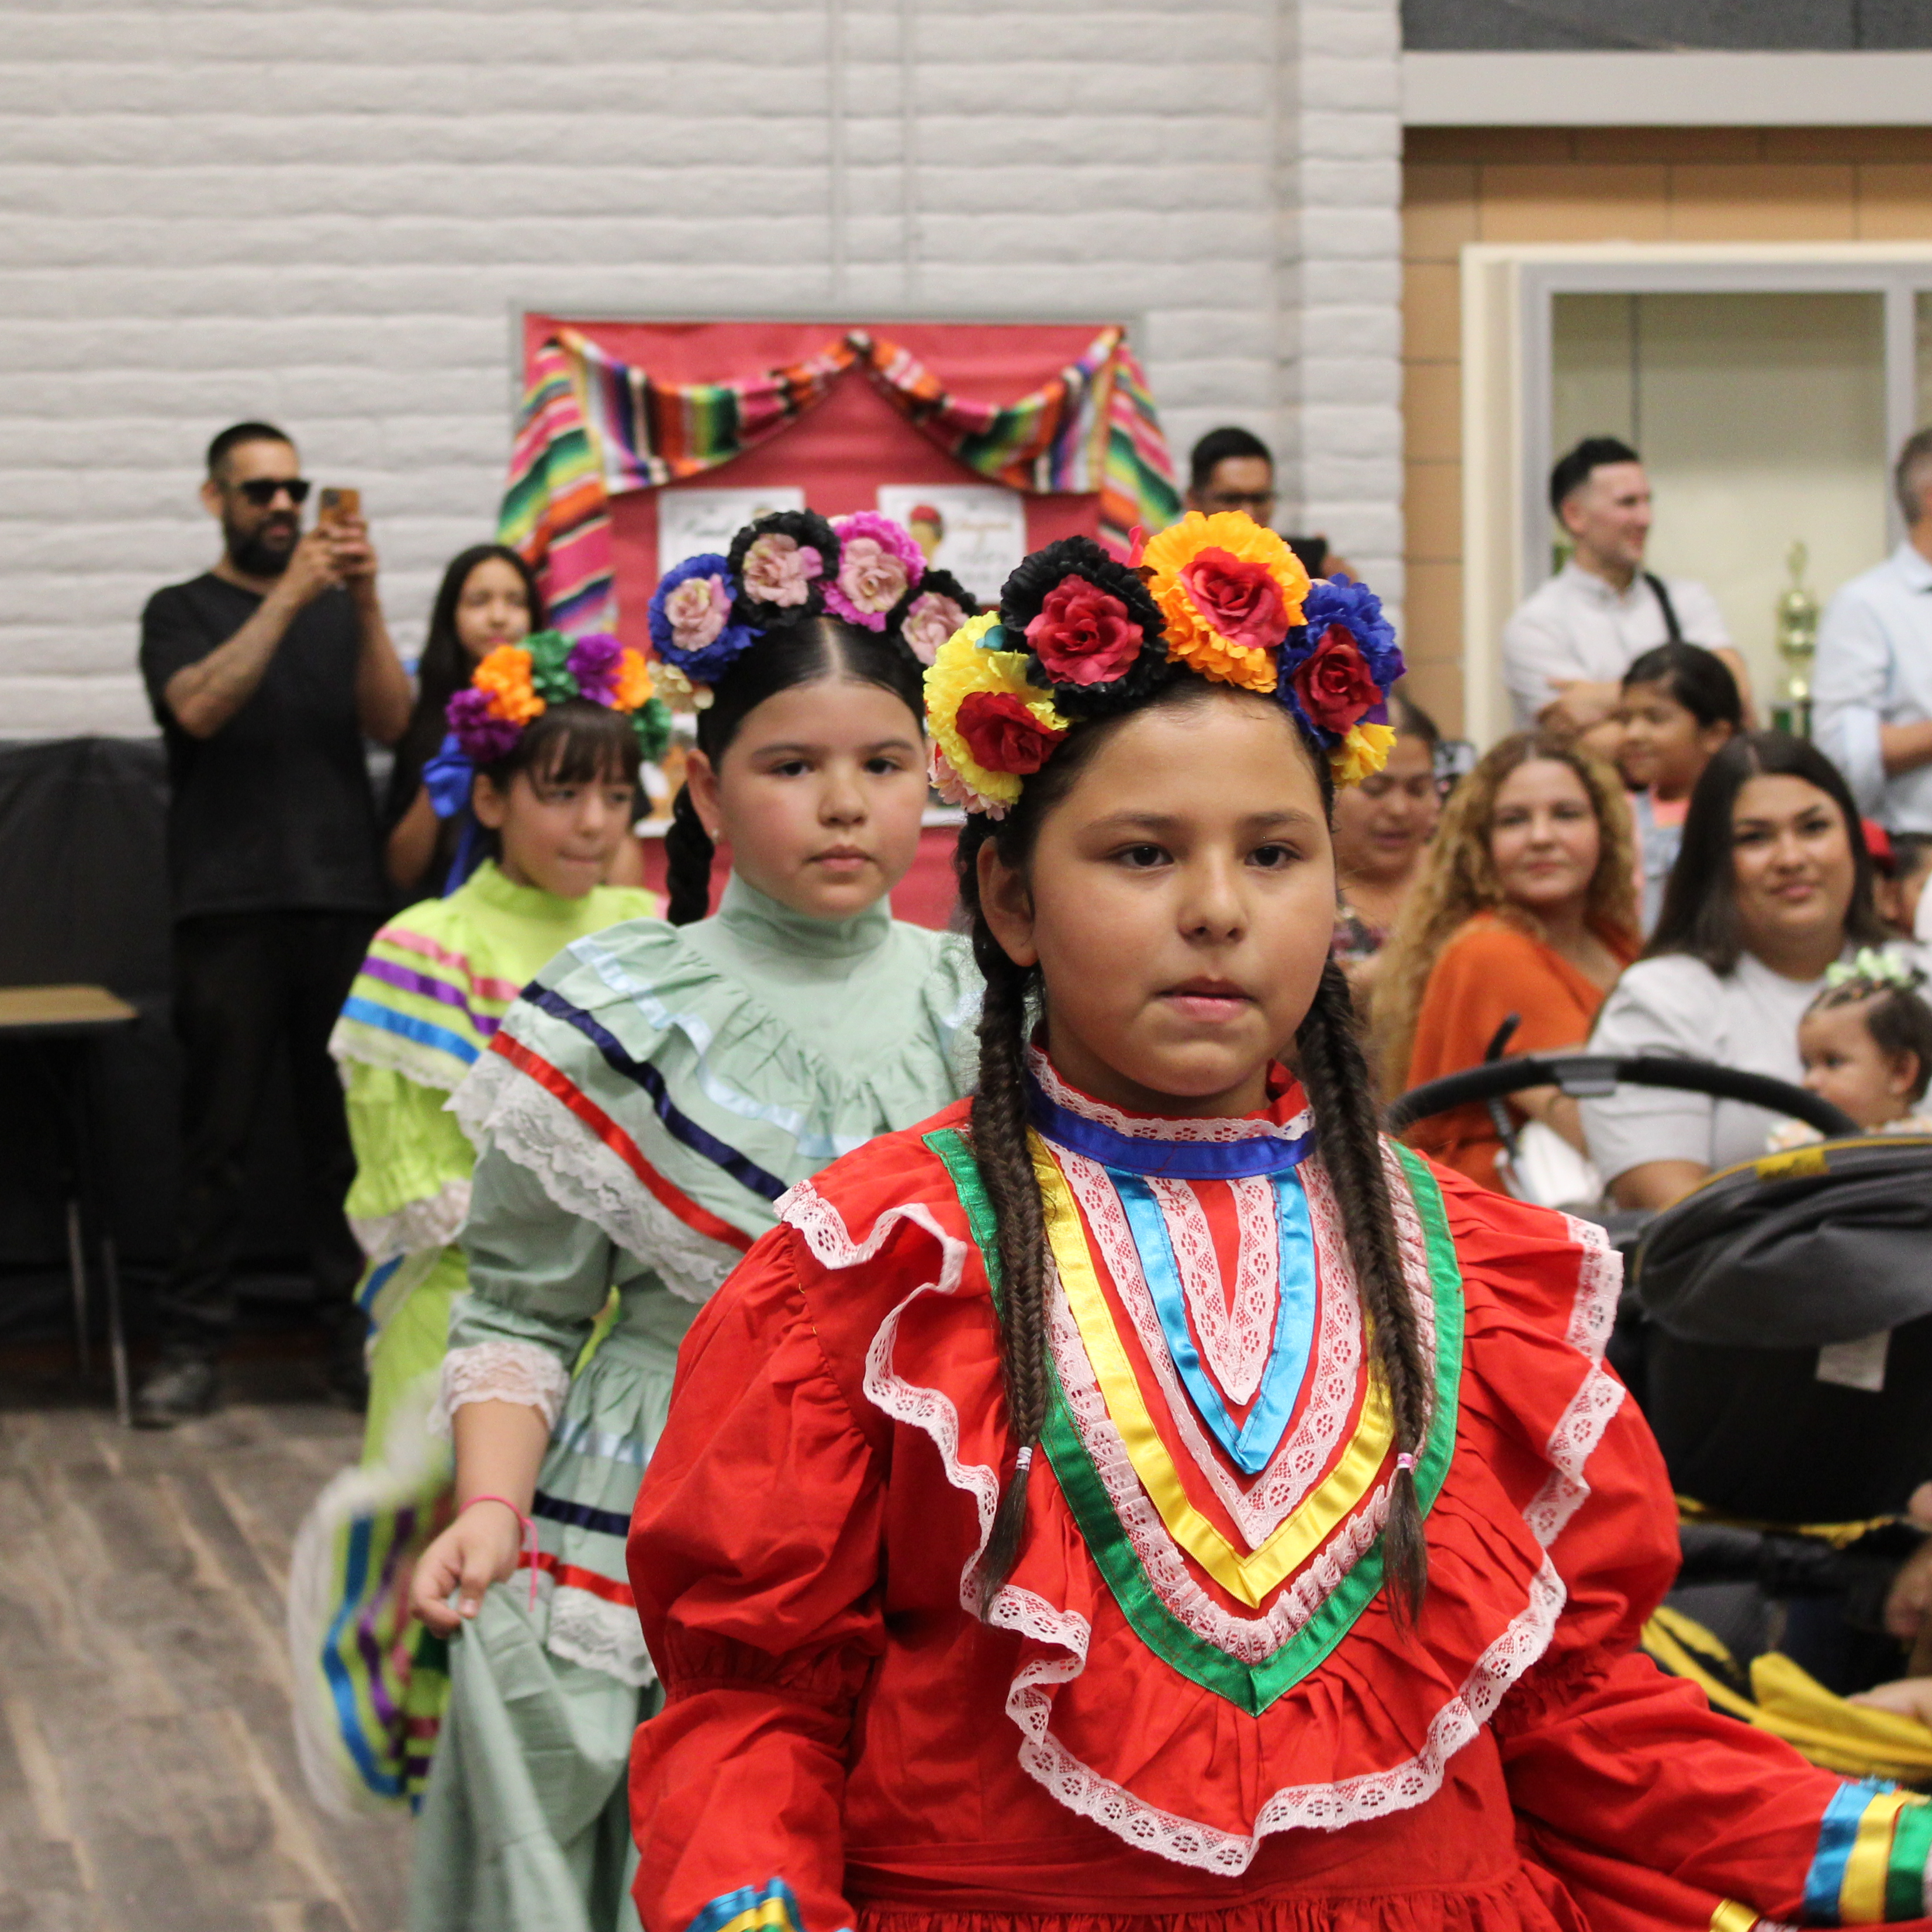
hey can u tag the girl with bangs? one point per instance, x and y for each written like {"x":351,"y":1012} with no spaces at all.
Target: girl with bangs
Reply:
{"x":1139,"y":1496}
{"x":641,"y":1110}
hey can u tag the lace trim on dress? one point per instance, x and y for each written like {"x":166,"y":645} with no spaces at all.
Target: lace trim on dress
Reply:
{"x":499,"y":1105}
{"x":1600,"y":1280}
{"x":430,"y":1222}
{"x":375,"y":1046}
{"x":1306,"y":1450}
{"x":518,"y":1372}
{"x":1222,"y":1130}
{"x":600,"y":1636}
{"x":1237,"y":1330}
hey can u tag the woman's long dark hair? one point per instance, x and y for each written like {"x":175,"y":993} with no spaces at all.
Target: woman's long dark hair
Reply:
{"x":444,"y":668}
{"x":1329,"y":1062}
{"x":822,"y":648}
{"x":1699,"y":914}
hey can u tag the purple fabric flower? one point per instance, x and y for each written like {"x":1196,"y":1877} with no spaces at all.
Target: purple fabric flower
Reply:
{"x":878,"y":563}
{"x":483,"y":736}
{"x":593,"y":661}
{"x":688,"y":619}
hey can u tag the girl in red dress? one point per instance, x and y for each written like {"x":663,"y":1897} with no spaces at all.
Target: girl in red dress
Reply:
{"x":1140,"y":1497}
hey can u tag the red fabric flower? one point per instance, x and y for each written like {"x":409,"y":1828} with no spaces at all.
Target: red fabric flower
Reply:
{"x":1335,"y":688}
{"x":1002,"y":733}
{"x":1083,"y":635}
{"x":1240,"y":598}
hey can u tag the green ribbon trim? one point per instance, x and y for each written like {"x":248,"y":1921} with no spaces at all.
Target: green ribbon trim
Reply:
{"x":1905,"y":1871}
{"x":1253,"y":1688}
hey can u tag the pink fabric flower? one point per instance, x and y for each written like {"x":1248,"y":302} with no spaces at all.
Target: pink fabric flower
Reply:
{"x":698,"y":609}
{"x":878,"y":563}
{"x":1083,"y":634}
{"x":779,"y":569}
{"x":931,"y":621}
{"x":1239,"y":598}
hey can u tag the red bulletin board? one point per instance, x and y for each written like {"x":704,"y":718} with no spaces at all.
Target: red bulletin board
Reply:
{"x":840,"y":451}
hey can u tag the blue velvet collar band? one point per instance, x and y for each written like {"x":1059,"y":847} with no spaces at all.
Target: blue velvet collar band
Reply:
{"x":1266,"y":1151}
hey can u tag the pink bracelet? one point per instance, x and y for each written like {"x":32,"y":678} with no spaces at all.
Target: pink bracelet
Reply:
{"x":529,"y":1538}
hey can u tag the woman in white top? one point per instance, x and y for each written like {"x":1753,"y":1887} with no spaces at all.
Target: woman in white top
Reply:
{"x":1772,"y":884}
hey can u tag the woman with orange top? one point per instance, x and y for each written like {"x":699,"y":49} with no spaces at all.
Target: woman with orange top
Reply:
{"x":1527,"y":908}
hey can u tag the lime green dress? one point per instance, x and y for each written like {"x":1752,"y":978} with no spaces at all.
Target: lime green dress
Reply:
{"x":646,"y":1104}
{"x":431,"y":994}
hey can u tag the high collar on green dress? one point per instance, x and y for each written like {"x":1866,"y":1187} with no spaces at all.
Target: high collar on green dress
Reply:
{"x":492,"y":887}
{"x":758,"y":922}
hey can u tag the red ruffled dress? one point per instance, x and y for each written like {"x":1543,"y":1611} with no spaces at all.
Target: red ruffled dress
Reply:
{"x":1191,"y":1697}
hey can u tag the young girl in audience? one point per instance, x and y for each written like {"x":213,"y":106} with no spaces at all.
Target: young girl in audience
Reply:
{"x":555,"y":797}
{"x":642,"y":1110}
{"x":1866,"y":1042}
{"x":1141,"y":1496}
{"x":488,"y":597}
{"x":1680,"y":707}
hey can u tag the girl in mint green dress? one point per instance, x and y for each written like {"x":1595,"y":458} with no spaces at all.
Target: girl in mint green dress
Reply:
{"x":440,"y":976}
{"x":642,"y":1110}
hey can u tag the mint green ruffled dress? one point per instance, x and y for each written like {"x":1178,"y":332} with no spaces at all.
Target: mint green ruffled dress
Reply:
{"x":438,"y":978}
{"x":644,"y":1106}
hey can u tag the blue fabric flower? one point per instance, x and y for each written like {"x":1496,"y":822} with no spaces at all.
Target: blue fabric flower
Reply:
{"x":1340,"y":604}
{"x":710,"y":641}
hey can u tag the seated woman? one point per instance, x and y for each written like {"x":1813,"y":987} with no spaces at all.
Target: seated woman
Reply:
{"x":1680,"y":707}
{"x":1774,"y":884}
{"x":1526,"y":907}
{"x":553,"y":804}
{"x":489,"y":597}
{"x":1382,"y":826}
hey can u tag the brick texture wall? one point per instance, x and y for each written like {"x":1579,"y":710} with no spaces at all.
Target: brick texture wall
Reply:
{"x":327,"y":215}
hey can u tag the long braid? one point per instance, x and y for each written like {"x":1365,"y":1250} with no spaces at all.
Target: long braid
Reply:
{"x":1335,"y":1076}
{"x":687,"y":853}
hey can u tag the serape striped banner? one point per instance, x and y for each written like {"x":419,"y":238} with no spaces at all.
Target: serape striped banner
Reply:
{"x":592,"y":426}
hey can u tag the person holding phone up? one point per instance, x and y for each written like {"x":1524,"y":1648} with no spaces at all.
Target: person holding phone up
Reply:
{"x":265,"y":674}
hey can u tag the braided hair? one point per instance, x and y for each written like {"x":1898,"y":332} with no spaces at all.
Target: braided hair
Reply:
{"x":1329,"y":1062}
{"x":819,"y":649}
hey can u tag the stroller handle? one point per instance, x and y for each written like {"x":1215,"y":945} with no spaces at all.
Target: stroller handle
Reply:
{"x":1590,"y":1075}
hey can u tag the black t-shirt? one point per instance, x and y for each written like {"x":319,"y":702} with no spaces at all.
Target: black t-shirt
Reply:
{"x":273,"y":812}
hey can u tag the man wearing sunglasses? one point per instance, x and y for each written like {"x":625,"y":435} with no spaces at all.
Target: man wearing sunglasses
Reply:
{"x":266,"y":673}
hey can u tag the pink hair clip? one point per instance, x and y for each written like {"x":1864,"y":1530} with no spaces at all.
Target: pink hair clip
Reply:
{"x":1405,"y":1461}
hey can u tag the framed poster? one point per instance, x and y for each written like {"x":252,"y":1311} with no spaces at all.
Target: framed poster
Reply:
{"x":978,"y":531}
{"x":693,"y":518}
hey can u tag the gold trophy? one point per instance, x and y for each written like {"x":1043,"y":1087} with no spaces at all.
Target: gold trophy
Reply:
{"x":1797,"y":644}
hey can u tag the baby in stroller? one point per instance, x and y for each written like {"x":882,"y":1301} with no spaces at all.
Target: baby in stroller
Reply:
{"x":1866,"y":1042}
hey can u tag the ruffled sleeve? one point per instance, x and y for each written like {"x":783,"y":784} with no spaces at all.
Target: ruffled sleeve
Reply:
{"x":755,"y":1556}
{"x":1613,"y":1762}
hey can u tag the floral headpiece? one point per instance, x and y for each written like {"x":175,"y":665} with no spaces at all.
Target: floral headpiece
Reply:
{"x":1870,"y":971}
{"x":787,"y":567}
{"x":516,"y":684}
{"x":1080,"y":635}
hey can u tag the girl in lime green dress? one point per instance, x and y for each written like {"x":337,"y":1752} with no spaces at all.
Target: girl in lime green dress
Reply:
{"x":555,"y":806}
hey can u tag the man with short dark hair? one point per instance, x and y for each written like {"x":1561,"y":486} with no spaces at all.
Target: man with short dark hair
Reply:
{"x":1872,"y":680}
{"x":265,"y":674}
{"x":1567,"y":648}
{"x":1231,"y":469}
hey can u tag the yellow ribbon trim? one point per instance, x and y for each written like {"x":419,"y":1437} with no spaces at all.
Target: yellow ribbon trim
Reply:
{"x":1249,"y":1578}
{"x":1862,"y":1897}
{"x":769,"y":1914}
{"x":1730,"y":1916}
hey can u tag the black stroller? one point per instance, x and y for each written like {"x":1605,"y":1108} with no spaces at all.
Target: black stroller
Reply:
{"x":1776,"y":1327}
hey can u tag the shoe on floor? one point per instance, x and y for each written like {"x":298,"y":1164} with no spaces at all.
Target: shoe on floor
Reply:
{"x":177,"y":1390}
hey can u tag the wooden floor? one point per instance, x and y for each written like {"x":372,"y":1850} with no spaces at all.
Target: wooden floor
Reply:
{"x":148,"y":1773}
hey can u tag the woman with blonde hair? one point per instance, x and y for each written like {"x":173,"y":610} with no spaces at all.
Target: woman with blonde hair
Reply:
{"x":1527,"y":907}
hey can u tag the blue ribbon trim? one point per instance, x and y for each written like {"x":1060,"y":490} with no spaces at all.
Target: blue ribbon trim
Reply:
{"x":410,"y":1027}
{"x":1251,"y":1446}
{"x":1264,"y":1153}
{"x":1838,"y":1832}
{"x":641,"y":1073}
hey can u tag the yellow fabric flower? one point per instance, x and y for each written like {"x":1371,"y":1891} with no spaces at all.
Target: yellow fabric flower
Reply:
{"x":1362,"y":754}
{"x":504,"y":674}
{"x":634,"y":687}
{"x":961,"y":667}
{"x":1231,"y":636}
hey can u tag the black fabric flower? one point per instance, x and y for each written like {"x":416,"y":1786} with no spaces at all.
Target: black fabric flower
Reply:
{"x":1094,"y":634}
{"x":782,"y":564}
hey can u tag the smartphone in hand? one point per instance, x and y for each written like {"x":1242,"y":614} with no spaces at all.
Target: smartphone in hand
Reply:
{"x":338,"y":505}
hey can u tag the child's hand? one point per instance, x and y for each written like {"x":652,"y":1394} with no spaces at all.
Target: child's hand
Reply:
{"x":1906,"y":1696}
{"x":478,"y":1549}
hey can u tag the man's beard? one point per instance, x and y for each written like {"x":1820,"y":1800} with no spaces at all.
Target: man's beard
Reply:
{"x":254,"y":552}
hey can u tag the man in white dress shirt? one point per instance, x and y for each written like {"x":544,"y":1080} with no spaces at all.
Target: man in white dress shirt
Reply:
{"x":1566,"y":649}
{"x":1872,"y":682}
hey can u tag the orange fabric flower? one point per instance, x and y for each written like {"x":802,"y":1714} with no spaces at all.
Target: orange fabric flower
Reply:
{"x":504,"y":674}
{"x":633,"y":687}
{"x":1229,"y":591}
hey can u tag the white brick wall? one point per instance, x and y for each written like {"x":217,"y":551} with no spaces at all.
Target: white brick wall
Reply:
{"x":325,"y":215}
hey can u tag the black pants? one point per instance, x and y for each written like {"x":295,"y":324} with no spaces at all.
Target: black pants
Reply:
{"x":243,"y":982}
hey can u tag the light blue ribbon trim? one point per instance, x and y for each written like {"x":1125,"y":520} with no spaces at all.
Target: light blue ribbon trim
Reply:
{"x":816,"y":1147}
{"x":1837,"y":1833}
{"x":581,"y":1439}
{"x":410,"y":1027}
{"x":1252,"y":1447}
